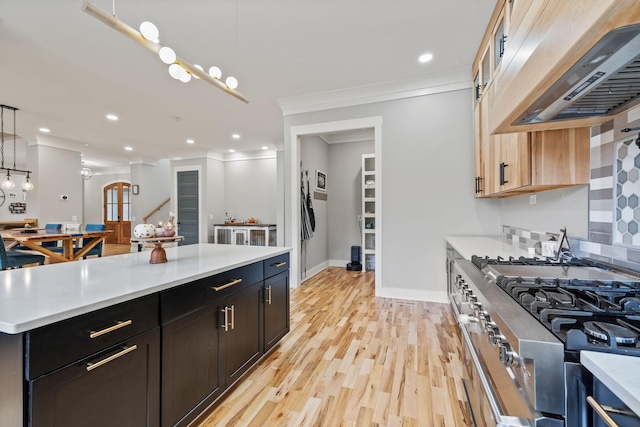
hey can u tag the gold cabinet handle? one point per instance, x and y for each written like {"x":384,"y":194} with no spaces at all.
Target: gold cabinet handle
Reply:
{"x":233,"y":317}
{"x":601,"y":410}
{"x":226,"y":285}
{"x":118,"y":325}
{"x":269,"y":295}
{"x":226,"y":319}
{"x":280,"y":264}
{"x":92,"y":366}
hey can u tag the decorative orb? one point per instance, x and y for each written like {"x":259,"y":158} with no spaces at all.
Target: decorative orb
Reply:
{"x":176,"y":71}
{"x":149,"y":31}
{"x":231,"y":82}
{"x":143,"y":231}
{"x":167,"y":55}
{"x":215,"y":72}
{"x":169,"y":232}
{"x":159,"y":232}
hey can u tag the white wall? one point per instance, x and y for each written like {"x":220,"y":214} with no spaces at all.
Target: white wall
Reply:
{"x":314,"y":155}
{"x":56,"y":172}
{"x":154,"y":186}
{"x":427,"y":184}
{"x":250,"y":189}
{"x":345,"y":204}
{"x":215,"y":195}
{"x":553,"y":210}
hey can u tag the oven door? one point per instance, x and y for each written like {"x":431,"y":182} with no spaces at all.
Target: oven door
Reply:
{"x":494,"y":398}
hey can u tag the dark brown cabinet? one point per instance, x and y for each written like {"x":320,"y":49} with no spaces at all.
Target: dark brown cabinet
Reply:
{"x":191,"y":371}
{"x":115,"y":387}
{"x":212,"y":333}
{"x":241,"y":343}
{"x":276,"y":309}
{"x":157,"y":360}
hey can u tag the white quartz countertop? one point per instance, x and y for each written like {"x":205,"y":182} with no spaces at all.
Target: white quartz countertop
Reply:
{"x":38,"y":296}
{"x":491,"y":246}
{"x":621,"y":375}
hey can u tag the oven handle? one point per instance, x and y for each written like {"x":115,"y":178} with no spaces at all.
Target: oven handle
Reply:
{"x":501,"y":419}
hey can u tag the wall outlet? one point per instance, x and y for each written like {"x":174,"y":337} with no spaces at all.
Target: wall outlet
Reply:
{"x":211,"y":216}
{"x":74,"y":218}
{"x":532,"y":199}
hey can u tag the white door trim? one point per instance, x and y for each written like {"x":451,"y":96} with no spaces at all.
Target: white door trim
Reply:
{"x":292,"y":225}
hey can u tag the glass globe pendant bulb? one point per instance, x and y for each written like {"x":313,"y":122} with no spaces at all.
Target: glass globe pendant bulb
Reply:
{"x":167,"y":55}
{"x":231,"y":82}
{"x":215,"y":72}
{"x":186,"y":77}
{"x":27,"y":185}
{"x":176,"y":71}
{"x":8,"y":183}
{"x":149,"y":31}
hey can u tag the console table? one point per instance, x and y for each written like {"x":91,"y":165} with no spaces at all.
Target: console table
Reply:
{"x":245,"y":234}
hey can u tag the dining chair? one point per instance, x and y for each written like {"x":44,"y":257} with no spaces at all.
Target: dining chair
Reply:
{"x":97,"y":249}
{"x":10,"y":259}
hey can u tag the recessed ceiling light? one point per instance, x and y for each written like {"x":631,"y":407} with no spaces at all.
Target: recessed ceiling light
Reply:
{"x":190,"y":141}
{"x":265,"y":148}
{"x":425,"y":57}
{"x":44,"y":130}
{"x":128,"y":148}
{"x":235,"y":136}
{"x":112,"y":117}
{"x":232,"y":151}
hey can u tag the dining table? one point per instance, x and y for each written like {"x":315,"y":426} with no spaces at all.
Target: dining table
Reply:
{"x":32,"y":239}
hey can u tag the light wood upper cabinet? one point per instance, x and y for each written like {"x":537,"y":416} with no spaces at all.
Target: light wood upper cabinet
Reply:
{"x":519,"y":160}
{"x":545,"y":38}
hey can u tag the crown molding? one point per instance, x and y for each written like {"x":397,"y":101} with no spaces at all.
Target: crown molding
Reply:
{"x":424,"y":85}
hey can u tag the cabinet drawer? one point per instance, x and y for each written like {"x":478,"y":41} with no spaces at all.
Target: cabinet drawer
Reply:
{"x":56,"y":345}
{"x":192,"y":296}
{"x":276,"y":265}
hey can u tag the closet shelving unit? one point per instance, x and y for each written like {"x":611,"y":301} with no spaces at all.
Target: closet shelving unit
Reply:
{"x":368,"y":222}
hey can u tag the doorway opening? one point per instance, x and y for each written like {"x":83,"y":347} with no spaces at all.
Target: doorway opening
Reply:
{"x":117,"y":212}
{"x":293,"y":223}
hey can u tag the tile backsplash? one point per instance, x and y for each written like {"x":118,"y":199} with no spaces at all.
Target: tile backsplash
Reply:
{"x":626,"y":257}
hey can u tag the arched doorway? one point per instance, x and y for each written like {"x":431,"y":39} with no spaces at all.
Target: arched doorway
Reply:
{"x":117,"y":212}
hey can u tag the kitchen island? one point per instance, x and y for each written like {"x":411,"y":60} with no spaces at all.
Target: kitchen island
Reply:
{"x":120,"y":341}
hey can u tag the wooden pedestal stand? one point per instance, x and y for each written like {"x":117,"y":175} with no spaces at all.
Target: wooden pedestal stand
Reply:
{"x":158,"y":254}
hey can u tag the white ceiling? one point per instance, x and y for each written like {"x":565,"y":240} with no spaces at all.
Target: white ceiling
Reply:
{"x":65,"y":70}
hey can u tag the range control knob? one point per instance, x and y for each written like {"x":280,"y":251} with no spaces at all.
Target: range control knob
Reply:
{"x":492,"y":329}
{"x":507,"y":355}
{"x":498,"y":338}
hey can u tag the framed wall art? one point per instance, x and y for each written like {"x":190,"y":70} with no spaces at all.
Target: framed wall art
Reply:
{"x":321,"y":181}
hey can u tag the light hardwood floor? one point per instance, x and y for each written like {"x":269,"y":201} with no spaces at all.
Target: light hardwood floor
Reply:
{"x":352,"y":359}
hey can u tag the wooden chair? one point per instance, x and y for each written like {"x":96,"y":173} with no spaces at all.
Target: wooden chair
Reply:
{"x":97,"y":249}
{"x":10,"y":259}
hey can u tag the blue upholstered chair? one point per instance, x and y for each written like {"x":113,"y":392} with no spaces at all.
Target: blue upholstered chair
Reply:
{"x":10,"y":259}
{"x":97,"y":249}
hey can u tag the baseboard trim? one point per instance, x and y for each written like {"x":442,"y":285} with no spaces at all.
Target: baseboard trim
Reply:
{"x":314,"y":270}
{"x":413,"y":294}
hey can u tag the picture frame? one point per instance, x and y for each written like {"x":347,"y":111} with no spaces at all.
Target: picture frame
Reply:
{"x":135,"y":189}
{"x":321,"y":181}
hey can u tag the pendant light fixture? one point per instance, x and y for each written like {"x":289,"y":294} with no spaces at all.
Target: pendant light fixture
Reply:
{"x":179,"y":69}
{"x":8,"y":183}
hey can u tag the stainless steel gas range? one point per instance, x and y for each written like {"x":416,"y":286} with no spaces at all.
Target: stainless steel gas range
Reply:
{"x":523,"y":324}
